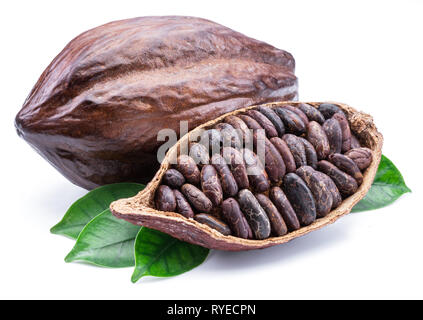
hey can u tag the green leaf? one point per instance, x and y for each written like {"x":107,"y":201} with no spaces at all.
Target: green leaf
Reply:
{"x":158,"y":254}
{"x":387,"y":187}
{"x":91,"y":205}
{"x":106,"y":241}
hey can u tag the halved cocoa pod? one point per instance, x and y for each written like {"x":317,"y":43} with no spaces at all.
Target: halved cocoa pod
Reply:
{"x":182,"y":205}
{"x":299,"y":113}
{"x":317,"y":137}
{"x":285,"y":152}
{"x":173,"y":178}
{"x":283,"y":205}
{"x":334,"y":133}
{"x":361,"y":156}
{"x":312,"y":113}
{"x":344,"y":182}
{"x":236,"y":163}
{"x":297,"y":149}
{"x":345,"y":129}
{"x":293,"y":123}
{"x":347,"y":165}
{"x":141,"y":209}
{"x":264,"y":122}
{"x":210,"y":184}
{"x":187,"y":166}
{"x":213,"y":222}
{"x":256,"y":174}
{"x":227,"y":180}
{"x":311,"y":154}
{"x":328,"y":109}
{"x":236,"y":220}
{"x":277,"y":224}
{"x":196,"y":198}
{"x":274,"y":118}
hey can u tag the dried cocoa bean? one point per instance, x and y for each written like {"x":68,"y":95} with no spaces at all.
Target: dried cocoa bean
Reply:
{"x":317,"y":137}
{"x":264,"y":122}
{"x":256,"y":174}
{"x":196,"y":198}
{"x":334,"y":134}
{"x":229,"y":185}
{"x":182,"y":205}
{"x":344,"y":182}
{"x":173,"y":178}
{"x":285,"y":152}
{"x":299,"y":113}
{"x":293,"y":123}
{"x":347,"y":165}
{"x":199,"y":153}
{"x":165,"y":199}
{"x":211,"y":139}
{"x":278,"y":226}
{"x":233,"y":216}
{"x":328,"y":110}
{"x":255,"y":214}
{"x":229,"y":135}
{"x":311,"y":154}
{"x":187,"y":166}
{"x":300,"y":197}
{"x":331,"y":186}
{"x":345,"y":129}
{"x":354,"y":142}
{"x":284,"y":207}
{"x":210,"y":184}
{"x":213,"y":223}
{"x":250,"y":122}
{"x":236,"y":163}
{"x":297,"y":149}
{"x":361,"y":156}
{"x":321,"y":194}
{"x":312,"y":113}
{"x":243,"y":131}
{"x":274,"y":118}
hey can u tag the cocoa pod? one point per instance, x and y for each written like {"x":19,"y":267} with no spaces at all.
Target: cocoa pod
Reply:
{"x":229,"y":135}
{"x":250,"y":122}
{"x":199,"y":153}
{"x":334,"y":134}
{"x":345,"y":129}
{"x":311,"y":154}
{"x":317,"y":137}
{"x":257,"y":176}
{"x":244,"y":133}
{"x":196,"y":198}
{"x":321,"y":194}
{"x":213,"y":223}
{"x":293,"y":123}
{"x":285,"y":152}
{"x":344,"y":182}
{"x":297,"y":149}
{"x":361,"y":156}
{"x":187,"y":166}
{"x":354,"y":142}
{"x":165,"y":199}
{"x":264,"y":122}
{"x":173,"y":178}
{"x":347,"y":165}
{"x":227,"y":180}
{"x":331,"y":186}
{"x":300,"y":197}
{"x":210,"y":184}
{"x":299,"y":113}
{"x":119,"y":84}
{"x":274,"y":118}
{"x":233,"y":216}
{"x":236,"y":163}
{"x":211,"y":139}
{"x":182,"y":205}
{"x":255,"y":214}
{"x":312,"y":113}
{"x":278,"y":226}
{"x":284,"y":207}
{"x":328,"y":110}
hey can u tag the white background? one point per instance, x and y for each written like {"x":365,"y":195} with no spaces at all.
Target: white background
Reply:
{"x":365,"y":53}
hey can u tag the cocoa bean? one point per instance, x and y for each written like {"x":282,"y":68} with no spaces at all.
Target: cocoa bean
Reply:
{"x":355,"y":143}
{"x":300,"y":197}
{"x":328,"y":110}
{"x":173,"y":178}
{"x":299,"y":113}
{"x":211,"y":139}
{"x":344,"y":182}
{"x":233,"y":216}
{"x":278,"y":226}
{"x":284,"y":207}
{"x":297,"y":149}
{"x":165,"y":199}
{"x":311,"y":154}
{"x":293,"y":123}
{"x":196,"y":198}
{"x":336,"y":196}
{"x":182,"y":205}
{"x":274,"y":118}
{"x":199,"y":153}
{"x":236,"y":163}
{"x":187,"y":166}
{"x":285,"y":152}
{"x":229,"y":135}
{"x":361,"y":156}
{"x":334,"y":134}
{"x":345,"y":129}
{"x":210,"y":184}
{"x":250,"y":122}
{"x":229,"y":185}
{"x":256,"y":174}
{"x":312,"y":113}
{"x":255,"y":214}
{"x":264,"y":122}
{"x":213,"y":223}
{"x":243,"y":131}
{"x":347,"y":165}
{"x":317,"y":137}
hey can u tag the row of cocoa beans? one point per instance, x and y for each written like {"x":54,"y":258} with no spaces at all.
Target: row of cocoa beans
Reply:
{"x":310,"y":162}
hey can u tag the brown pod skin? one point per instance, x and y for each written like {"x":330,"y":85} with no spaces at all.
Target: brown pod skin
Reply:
{"x":300,"y":197}
{"x":236,"y":163}
{"x":244,"y":132}
{"x":321,"y":194}
{"x":354,"y":142}
{"x":165,"y":199}
{"x":274,"y":118}
{"x":328,"y":110}
{"x":333,"y":131}
{"x":199,"y":153}
{"x":196,"y":198}
{"x":317,"y":137}
{"x":277,"y":224}
{"x":293,"y":123}
{"x":182,"y":205}
{"x":297,"y":149}
{"x":211,"y":139}
{"x":312,"y":113}
{"x":255,"y":214}
{"x":361,"y":156}
{"x":331,"y":186}
{"x":229,"y":135}
{"x":346,"y":131}
{"x":285,"y":152}
{"x":347,"y":165}
{"x":97,"y":108}
{"x":256,"y":174}
{"x":173,"y":178}
{"x":250,"y":122}
{"x":311,"y":154}
{"x":344,"y":182}
{"x":213,"y":223}
{"x":187,"y":166}
{"x":299,"y":113}
{"x":284,"y":207}
{"x":232,"y":214}
{"x":227,"y":180}
{"x":264,"y":122}
{"x":210,"y":184}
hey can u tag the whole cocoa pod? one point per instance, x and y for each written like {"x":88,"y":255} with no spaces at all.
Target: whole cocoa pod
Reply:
{"x":96,"y":110}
